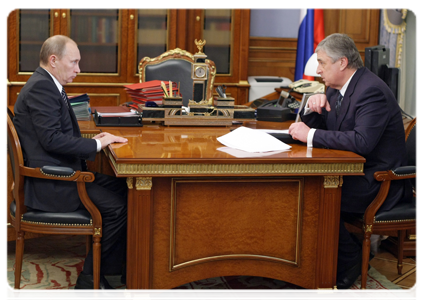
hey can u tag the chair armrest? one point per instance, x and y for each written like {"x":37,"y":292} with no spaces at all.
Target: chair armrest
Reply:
{"x":386,"y":177}
{"x":57,"y":171}
{"x":399,"y":173}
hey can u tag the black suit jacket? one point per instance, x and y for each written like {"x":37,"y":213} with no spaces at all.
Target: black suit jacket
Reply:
{"x":49,"y":135}
{"x":370,"y":124}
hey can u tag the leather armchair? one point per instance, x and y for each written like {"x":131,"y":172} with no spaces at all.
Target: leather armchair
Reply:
{"x":81,"y":222}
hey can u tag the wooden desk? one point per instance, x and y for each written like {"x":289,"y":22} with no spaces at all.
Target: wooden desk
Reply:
{"x":195,"y":212}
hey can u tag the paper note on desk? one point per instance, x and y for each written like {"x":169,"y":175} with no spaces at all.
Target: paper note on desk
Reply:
{"x":243,"y":154}
{"x":274,"y":130}
{"x":251,"y":140}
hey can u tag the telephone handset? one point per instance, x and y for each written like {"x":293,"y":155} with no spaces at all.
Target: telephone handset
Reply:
{"x":307,"y":86}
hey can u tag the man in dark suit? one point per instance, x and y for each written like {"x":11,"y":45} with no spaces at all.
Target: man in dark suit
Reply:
{"x":50,"y":135}
{"x":358,"y":113}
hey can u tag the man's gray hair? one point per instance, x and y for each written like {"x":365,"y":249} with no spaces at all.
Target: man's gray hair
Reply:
{"x":339,"y":45}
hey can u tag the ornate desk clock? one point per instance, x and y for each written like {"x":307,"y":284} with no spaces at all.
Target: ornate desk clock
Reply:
{"x":199,"y":75}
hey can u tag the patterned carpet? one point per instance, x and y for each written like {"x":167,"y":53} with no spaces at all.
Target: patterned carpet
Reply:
{"x":54,"y":262}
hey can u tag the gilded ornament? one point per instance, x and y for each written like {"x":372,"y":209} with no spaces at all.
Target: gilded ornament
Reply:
{"x":143,"y":183}
{"x":129,"y":183}
{"x":200,"y":44}
{"x":332,"y":181}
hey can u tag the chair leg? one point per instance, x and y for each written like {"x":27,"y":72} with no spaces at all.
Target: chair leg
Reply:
{"x":20,"y":243}
{"x":365,"y":259}
{"x":89,"y":242}
{"x":400,"y":254}
{"x":96,"y":262}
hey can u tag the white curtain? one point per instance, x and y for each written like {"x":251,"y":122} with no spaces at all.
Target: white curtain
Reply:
{"x":400,"y":32}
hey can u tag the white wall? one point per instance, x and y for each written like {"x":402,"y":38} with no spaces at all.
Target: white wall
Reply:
{"x":279,"y":23}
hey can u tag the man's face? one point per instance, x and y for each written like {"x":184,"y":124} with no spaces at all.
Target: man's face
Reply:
{"x":68,"y":66}
{"x":330,"y":71}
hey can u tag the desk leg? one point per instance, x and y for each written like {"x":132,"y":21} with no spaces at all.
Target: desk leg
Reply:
{"x":140,"y":226}
{"x":327,"y":255}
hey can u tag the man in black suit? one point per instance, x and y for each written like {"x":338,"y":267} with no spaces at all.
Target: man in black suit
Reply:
{"x":50,"y":135}
{"x":358,"y":113}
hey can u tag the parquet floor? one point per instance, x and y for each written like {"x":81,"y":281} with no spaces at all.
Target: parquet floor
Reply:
{"x":409,"y":281}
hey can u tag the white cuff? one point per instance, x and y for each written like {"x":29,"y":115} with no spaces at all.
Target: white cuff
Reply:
{"x":307,"y":110}
{"x":98,"y":145}
{"x":310,"y":137}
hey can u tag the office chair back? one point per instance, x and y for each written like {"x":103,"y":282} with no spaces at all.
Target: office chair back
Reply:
{"x":176,"y":66}
{"x":410,"y":143}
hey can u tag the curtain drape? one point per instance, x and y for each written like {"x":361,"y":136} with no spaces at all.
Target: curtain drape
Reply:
{"x":400,"y":32}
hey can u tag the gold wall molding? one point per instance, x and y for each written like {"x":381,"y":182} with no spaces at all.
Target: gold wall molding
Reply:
{"x":236,"y":169}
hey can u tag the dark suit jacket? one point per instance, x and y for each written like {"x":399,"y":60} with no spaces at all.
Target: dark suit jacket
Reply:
{"x":49,"y":135}
{"x":369,"y":124}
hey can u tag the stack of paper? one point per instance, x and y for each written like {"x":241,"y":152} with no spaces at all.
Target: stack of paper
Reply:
{"x":81,"y":106}
{"x":251,"y":140}
{"x":149,"y":91}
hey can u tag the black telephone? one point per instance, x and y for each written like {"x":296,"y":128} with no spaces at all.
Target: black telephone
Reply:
{"x":278,"y":110}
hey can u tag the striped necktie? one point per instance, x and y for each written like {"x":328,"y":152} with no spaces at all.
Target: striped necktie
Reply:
{"x":65,"y":97}
{"x":338,"y":103}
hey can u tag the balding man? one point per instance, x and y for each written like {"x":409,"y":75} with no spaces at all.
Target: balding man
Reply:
{"x":50,"y":135}
{"x":358,"y":113}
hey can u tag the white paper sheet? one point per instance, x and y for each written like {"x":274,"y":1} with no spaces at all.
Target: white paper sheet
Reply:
{"x":252,"y":140}
{"x":243,"y":154}
{"x":274,"y":130}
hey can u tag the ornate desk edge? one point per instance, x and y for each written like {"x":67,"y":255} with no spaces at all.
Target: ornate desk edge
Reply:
{"x":139,"y":169}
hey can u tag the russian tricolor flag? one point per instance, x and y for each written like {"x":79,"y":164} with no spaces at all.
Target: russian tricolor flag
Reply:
{"x":310,"y":34}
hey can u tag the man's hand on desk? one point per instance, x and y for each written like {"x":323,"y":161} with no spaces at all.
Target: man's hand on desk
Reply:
{"x":317,"y":102}
{"x":106,"y":138}
{"x":299,"y":131}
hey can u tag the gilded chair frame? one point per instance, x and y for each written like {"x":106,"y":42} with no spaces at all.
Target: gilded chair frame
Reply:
{"x":178,"y":53}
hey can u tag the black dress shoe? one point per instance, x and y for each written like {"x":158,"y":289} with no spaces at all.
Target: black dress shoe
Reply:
{"x":347,"y":278}
{"x":87,"y":282}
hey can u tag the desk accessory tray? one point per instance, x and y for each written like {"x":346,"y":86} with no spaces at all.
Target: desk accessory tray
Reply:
{"x":132,"y":121}
{"x":222,"y":113}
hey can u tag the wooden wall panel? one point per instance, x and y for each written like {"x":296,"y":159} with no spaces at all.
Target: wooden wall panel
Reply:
{"x":276,"y":56}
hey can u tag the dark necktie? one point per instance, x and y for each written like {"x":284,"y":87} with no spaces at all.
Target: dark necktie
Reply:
{"x":65,"y":98}
{"x":338,"y":103}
